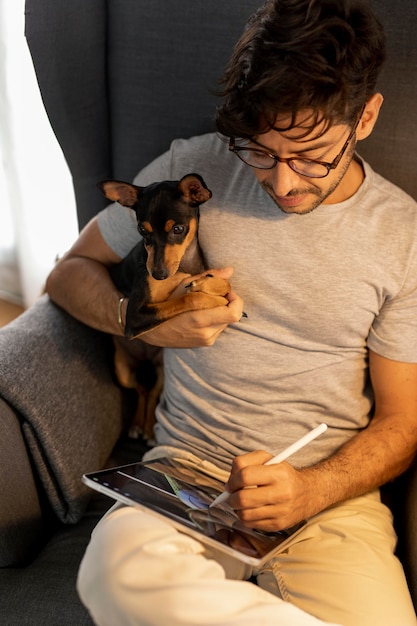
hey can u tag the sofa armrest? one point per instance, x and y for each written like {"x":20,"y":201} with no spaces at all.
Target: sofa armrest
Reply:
{"x":55,"y":373}
{"x":22,"y":522}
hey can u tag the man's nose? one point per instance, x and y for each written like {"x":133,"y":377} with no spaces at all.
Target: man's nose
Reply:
{"x":283,"y":179}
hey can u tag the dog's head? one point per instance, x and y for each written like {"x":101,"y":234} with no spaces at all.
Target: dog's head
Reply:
{"x":167,"y":216}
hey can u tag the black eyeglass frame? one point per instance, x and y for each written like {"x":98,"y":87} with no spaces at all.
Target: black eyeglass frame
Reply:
{"x":289,"y":161}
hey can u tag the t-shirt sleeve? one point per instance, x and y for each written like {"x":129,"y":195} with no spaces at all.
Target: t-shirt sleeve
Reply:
{"x":394,"y":331}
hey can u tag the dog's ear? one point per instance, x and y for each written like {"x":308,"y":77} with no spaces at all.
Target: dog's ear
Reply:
{"x":119,"y":191}
{"x":194,"y":189}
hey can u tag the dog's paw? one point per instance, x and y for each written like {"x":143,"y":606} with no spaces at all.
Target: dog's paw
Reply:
{"x":210,"y":285}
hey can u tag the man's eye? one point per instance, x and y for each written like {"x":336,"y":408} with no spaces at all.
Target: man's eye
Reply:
{"x":178,"y":230}
{"x":258,"y":154}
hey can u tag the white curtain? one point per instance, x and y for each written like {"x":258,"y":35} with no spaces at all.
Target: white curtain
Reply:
{"x":37,"y":207}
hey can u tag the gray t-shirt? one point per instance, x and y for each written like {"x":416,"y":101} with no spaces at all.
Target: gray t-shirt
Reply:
{"x":319,"y":290}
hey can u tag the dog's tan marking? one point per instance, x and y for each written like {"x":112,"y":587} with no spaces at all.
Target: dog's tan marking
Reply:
{"x":147,"y":226}
{"x":160,"y":290}
{"x":195,"y":301}
{"x":169,"y":224}
{"x":175,"y":252}
{"x":192,"y":233}
{"x":210,"y":285}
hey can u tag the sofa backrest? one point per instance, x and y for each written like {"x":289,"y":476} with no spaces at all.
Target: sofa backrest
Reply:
{"x":392,"y":147}
{"x":121,"y":78}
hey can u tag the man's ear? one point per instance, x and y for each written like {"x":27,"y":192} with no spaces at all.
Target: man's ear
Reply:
{"x":369,"y":116}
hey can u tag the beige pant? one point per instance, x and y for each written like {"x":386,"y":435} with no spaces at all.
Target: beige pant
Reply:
{"x":339,"y":567}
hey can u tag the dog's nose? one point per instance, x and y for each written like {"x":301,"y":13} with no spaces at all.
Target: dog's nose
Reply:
{"x":160,"y":274}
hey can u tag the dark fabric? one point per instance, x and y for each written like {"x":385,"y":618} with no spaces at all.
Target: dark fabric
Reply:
{"x":409,"y":533}
{"x":44,"y":592}
{"x":163,"y":65}
{"x":56,"y":373}
{"x":391,"y":149}
{"x":121,"y":79}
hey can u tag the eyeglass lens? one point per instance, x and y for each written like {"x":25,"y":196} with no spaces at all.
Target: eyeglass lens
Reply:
{"x":262,"y":160}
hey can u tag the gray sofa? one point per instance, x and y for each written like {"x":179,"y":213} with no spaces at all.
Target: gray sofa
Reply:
{"x":119,"y":80}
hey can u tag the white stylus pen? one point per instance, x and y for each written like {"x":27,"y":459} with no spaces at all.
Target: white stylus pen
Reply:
{"x":282,"y":456}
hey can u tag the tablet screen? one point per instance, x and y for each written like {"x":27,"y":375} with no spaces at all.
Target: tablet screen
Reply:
{"x":179,"y":492}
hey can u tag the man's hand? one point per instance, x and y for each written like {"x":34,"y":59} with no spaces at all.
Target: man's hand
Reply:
{"x":197,"y":328}
{"x":374,"y":456}
{"x":268,"y":497}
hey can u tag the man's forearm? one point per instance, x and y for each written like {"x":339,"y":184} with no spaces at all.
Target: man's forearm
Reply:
{"x":384,"y":449}
{"x":287,"y":495}
{"x":375,"y":456}
{"x":84,"y":289}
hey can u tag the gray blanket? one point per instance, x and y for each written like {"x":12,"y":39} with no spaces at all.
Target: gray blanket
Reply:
{"x":56,"y":374}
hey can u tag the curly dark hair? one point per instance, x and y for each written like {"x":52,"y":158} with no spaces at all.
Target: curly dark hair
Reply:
{"x":297,"y":55}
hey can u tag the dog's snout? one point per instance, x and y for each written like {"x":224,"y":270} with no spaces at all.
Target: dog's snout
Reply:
{"x":161,"y":274}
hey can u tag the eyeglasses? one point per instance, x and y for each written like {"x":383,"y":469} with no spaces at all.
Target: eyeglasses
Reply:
{"x":263,"y":160}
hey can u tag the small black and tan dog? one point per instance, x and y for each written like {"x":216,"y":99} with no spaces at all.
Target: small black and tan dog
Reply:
{"x":167,"y":215}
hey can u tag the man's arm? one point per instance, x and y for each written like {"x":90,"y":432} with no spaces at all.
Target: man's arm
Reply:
{"x":80,"y":283}
{"x":374,"y":456}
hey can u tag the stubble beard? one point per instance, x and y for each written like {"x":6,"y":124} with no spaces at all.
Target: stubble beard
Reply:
{"x":320,"y":194}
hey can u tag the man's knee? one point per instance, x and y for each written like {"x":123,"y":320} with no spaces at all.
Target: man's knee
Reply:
{"x":133,"y":564}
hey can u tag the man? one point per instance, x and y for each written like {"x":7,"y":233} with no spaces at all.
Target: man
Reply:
{"x":331,"y":336}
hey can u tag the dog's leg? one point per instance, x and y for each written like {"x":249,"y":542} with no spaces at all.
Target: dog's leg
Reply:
{"x":136,"y":427}
{"x":151,"y":404}
{"x":153,"y":315}
{"x":204,"y":293}
{"x":209,"y":284}
{"x":139,"y":367}
{"x":124,"y":363}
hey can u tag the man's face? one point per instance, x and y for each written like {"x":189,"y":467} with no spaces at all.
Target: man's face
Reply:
{"x":295,"y":193}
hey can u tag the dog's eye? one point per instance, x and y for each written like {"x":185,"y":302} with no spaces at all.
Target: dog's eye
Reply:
{"x":143,"y":232}
{"x":178,"y":230}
